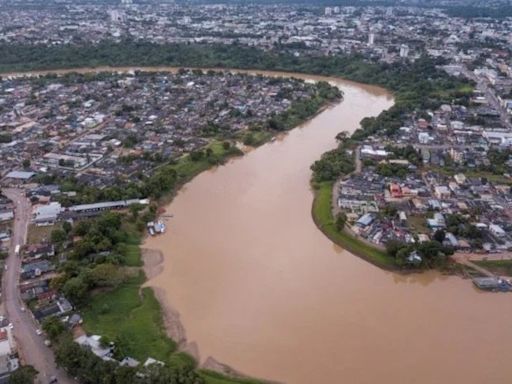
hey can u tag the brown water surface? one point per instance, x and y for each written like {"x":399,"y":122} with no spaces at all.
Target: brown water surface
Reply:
{"x":260,"y":288}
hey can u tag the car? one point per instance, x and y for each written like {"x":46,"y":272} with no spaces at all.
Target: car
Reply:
{"x":39,"y":332}
{"x":11,"y":326}
{"x":22,"y":309}
{"x":53,"y":380}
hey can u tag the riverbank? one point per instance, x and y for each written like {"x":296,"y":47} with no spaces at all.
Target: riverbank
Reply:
{"x":133,"y":305}
{"x":324,"y":220}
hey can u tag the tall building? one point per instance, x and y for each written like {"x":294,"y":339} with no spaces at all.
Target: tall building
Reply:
{"x":404,"y":50}
{"x":117,"y":16}
{"x":328,"y":11}
{"x":371,"y":38}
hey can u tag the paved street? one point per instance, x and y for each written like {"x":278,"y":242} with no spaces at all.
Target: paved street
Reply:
{"x":31,"y":347}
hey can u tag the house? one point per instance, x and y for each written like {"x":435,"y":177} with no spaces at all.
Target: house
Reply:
{"x":8,"y":359}
{"x":46,"y":214}
{"x":437,"y":221}
{"x":442,"y":192}
{"x":414,"y":258}
{"x":395,"y":190}
{"x":460,"y":178}
{"x":497,"y":231}
{"x":93,"y":343}
{"x":365,"y":220}
{"x":6,"y":215}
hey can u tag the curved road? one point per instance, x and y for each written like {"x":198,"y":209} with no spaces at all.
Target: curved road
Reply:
{"x":31,"y":347}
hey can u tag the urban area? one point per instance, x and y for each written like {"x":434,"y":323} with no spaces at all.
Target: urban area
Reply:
{"x":86,"y":156}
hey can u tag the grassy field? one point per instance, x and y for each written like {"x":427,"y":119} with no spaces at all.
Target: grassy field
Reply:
{"x":255,"y":138}
{"x":188,"y":168}
{"x":133,"y":256}
{"x":38,"y":234}
{"x":131,"y":317}
{"x":500,"y":267}
{"x":418,"y":223}
{"x":322,"y":215}
{"x":211,"y":377}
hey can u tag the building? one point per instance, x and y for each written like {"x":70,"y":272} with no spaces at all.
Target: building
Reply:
{"x":371,"y":38}
{"x":404,"y":50}
{"x":8,"y":360}
{"x":46,"y":214}
{"x":497,"y":231}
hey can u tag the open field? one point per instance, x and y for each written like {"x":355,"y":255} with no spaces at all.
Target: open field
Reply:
{"x":131,"y":317}
{"x":211,"y":377}
{"x":37,"y":234}
{"x":500,"y":267}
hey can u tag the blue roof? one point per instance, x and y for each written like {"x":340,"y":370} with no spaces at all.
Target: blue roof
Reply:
{"x":365,"y":220}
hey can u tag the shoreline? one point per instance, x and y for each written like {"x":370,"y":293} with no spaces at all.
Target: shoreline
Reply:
{"x":321,"y":212}
{"x":153,"y":259}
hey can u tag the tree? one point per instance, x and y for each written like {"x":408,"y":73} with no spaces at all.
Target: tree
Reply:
{"x":341,"y":220}
{"x":226,"y":145}
{"x":342,"y":136}
{"x":53,"y":328}
{"x":439,"y":236}
{"x":23,"y":375}
{"x":58,"y":236}
{"x":105,"y":275}
{"x":67,"y":227}
{"x":75,"y":289}
{"x":26,"y":163}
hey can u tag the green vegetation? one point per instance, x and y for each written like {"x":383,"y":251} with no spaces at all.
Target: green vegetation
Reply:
{"x":23,"y":375}
{"x":392,"y":170}
{"x":211,"y":377}
{"x":335,"y":163}
{"x":37,"y":234}
{"x":433,"y":254}
{"x":322,"y":215}
{"x":131,"y":317}
{"x":500,"y":267}
{"x":87,"y":368}
{"x":255,"y":137}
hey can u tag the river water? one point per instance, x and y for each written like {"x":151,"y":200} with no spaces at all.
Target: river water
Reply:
{"x":260,"y":288}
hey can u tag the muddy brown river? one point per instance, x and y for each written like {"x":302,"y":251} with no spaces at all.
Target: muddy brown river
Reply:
{"x":260,"y":288}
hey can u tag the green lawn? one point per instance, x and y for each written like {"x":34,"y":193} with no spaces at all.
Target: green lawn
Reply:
{"x":501,"y":267}
{"x":211,"y":377}
{"x":322,"y":215}
{"x":188,"y":168}
{"x":255,"y":138}
{"x":131,"y":317}
{"x":132,"y":256}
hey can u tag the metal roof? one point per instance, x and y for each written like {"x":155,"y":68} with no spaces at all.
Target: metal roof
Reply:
{"x":20,"y":175}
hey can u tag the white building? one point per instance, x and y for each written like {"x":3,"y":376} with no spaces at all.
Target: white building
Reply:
{"x":404,"y":50}
{"x":371,"y":38}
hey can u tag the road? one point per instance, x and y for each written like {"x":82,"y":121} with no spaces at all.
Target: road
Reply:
{"x":484,"y":85}
{"x":31,"y":347}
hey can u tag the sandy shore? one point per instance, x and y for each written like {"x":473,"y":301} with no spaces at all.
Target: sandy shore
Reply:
{"x":153,"y":266}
